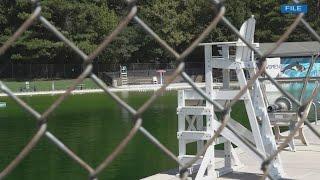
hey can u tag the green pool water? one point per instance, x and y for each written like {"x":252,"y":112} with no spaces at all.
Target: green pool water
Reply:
{"x":91,"y":125}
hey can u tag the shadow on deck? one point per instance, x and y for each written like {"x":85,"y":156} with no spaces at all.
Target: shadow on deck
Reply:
{"x":302,"y":164}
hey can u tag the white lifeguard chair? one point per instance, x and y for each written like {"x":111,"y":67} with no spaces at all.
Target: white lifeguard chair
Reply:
{"x":201,"y":117}
{"x":124,"y":75}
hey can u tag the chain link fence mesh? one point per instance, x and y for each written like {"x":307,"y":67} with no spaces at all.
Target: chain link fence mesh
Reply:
{"x":137,"y":113}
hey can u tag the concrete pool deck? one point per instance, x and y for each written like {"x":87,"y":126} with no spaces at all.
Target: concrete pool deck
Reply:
{"x":302,"y":164}
{"x":128,"y":88}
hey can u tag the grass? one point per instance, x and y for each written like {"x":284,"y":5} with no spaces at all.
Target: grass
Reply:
{"x":46,"y":85}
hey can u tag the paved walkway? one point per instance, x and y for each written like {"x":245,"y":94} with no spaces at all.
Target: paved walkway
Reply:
{"x":302,"y":164}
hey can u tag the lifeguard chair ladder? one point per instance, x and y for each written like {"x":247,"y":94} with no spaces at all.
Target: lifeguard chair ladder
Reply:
{"x":124,"y":75}
{"x":261,"y":135}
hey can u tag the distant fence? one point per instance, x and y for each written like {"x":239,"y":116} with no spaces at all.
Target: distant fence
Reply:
{"x":13,"y":70}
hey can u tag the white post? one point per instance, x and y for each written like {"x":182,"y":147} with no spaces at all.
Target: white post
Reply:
{"x":226,"y":85}
{"x":161,"y":78}
{"x":209,"y":118}
{"x":52,"y":86}
{"x":181,"y":124}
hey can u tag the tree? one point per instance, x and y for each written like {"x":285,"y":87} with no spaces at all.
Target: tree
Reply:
{"x":84,"y":23}
{"x":178,"y":22}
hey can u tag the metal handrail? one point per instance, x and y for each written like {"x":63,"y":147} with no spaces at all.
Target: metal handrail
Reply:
{"x":315,"y":111}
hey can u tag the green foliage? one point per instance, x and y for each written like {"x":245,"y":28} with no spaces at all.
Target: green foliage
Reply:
{"x":85,"y":23}
{"x":178,"y":22}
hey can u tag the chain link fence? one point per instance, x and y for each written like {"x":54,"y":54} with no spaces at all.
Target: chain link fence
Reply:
{"x":20,"y":70}
{"x":137,"y":120}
